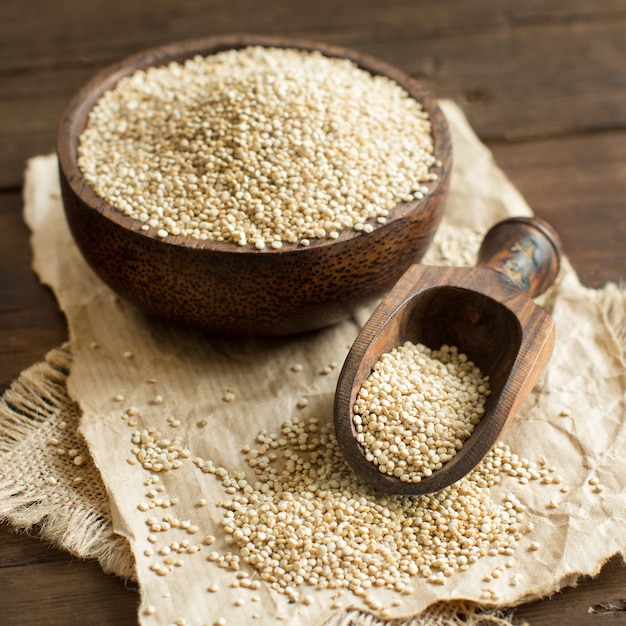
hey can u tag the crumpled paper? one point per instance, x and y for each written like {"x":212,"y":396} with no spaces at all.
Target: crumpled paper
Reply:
{"x":131,"y":372}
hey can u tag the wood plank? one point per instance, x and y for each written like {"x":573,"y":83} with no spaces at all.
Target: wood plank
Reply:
{"x":513,"y":84}
{"x":496,"y":59}
{"x":18,"y":548}
{"x":72,"y":592}
{"x":599,"y":601}
{"x":100,"y":30}
{"x":30,"y":321}
{"x":578,"y":184}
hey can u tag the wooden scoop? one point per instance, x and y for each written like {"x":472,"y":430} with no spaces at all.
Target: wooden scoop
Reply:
{"x":487,"y":312}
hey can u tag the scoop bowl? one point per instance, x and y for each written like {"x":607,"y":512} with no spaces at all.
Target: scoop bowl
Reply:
{"x":487,"y":312}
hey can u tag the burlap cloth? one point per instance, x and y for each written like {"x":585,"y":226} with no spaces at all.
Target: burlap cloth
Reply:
{"x":66,"y":427}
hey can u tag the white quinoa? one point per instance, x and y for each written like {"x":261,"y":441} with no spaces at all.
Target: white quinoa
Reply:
{"x":416,"y":409}
{"x":259,"y":146}
{"x":157,"y":453}
{"x":307,"y":519}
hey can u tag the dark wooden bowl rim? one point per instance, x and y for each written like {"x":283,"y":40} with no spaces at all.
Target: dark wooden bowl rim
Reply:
{"x":74,"y":121}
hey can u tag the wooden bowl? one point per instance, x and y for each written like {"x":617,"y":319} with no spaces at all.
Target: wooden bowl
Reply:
{"x":225,"y":288}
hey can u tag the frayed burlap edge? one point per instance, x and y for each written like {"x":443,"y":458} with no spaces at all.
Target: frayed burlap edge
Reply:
{"x":41,"y":491}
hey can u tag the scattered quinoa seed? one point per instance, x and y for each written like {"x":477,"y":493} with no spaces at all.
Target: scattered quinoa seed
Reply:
{"x":157,"y":453}
{"x":330,"y":531}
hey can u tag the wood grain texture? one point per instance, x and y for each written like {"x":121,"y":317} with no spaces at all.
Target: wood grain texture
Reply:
{"x":542,"y":82}
{"x":519,"y":69}
{"x":30,"y":320}
{"x":578,"y":183}
{"x":42,"y":585}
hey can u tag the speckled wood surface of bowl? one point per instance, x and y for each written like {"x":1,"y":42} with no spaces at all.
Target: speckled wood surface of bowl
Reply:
{"x":225,"y":288}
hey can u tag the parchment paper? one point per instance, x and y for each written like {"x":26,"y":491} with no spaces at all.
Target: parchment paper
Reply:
{"x":122,"y":359}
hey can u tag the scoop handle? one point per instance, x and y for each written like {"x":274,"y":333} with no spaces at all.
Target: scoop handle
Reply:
{"x":527,"y":250}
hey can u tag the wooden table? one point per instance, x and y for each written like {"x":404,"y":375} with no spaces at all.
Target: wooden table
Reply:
{"x":543,"y":84}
